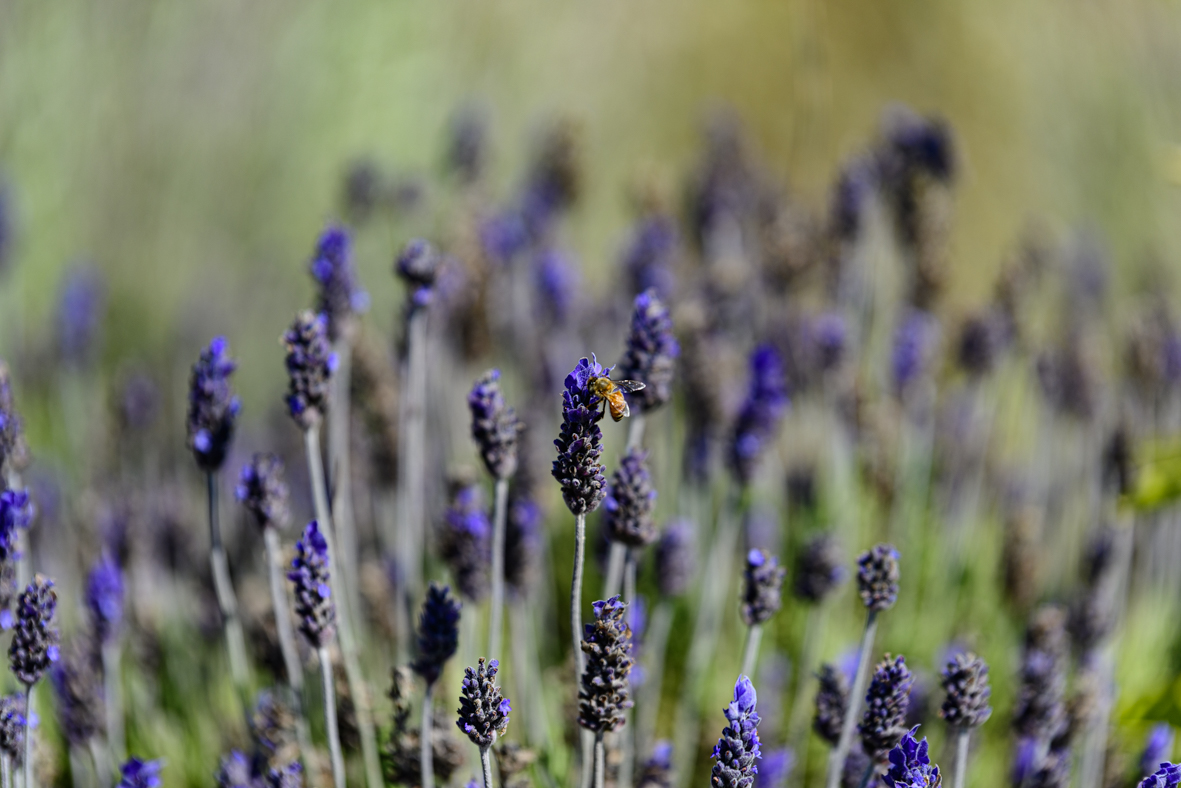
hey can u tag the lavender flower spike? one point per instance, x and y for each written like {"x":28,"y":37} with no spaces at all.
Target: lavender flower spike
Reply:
{"x":310,"y":366}
{"x":79,"y":697}
{"x":12,"y":728}
{"x":495,"y":426}
{"x":418,"y":267}
{"x":910,"y":766}
{"x":738,"y":748}
{"x":1158,"y":748}
{"x":605,"y":691}
{"x":965,"y":680}
{"x":763,"y":580}
{"x":465,"y":541}
{"x":766,"y":403}
{"x":35,"y":642}
{"x":630,"y":502}
{"x":832,"y":704}
{"x":263,"y":492}
{"x":579,"y":443}
{"x":651,"y":353}
{"x":1167,"y":776}
{"x":438,"y":632}
{"x":338,"y":296}
{"x":213,"y":407}
{"x":483,"y":710}
{"x":877,"y":577}
{"x":676,"y":559}
{"x":140,"y":774}
{"x":313,"y":594}
{"x":886,"y":704}
{"x":104,"y":598}
{"x":819,"y":569}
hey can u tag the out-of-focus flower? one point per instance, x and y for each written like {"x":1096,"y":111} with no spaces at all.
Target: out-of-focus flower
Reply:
{"x":914,"y":348}
{"x":495,"y":427}
{"x":766,"y":404}
{"x":466,"y":541}
{"x":877,"y":577}
{"x":630,"y":501}
{"x":14,"y":452}
{"x":140,"y":774}
{"x":339,"y":298}
{"x":965,"y":680}
{"x":104,"y":598}
{"x":438,"y":632}
{"x":310,"y":367}
{"x":35,"y":639}
{"x":776,"y":768}
{"x":81,"y":308}
{"x":418,"y":267}
{"x":78,"y":688}
{"x":651,"y":353}
{"x":467,"y":143}
{"x":1167,"y":776}
{"x":819,"y":569}
{"x":762,"y":583}
{"x":1157,"y":749}
{"x":314,"y":606}
{"x":650,"y":254}
{"x":832,"y":704}
{"x":262,"y":491}
{"x":213,"y":407}
{"x":676,"y":558}
{"x":886,"y":702}
{"x":657,"y":769}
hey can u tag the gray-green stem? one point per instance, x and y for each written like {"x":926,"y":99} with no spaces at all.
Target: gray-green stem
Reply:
{"x":600,"y":765}
{"x":627,"y":734}
{"x":576,"y":620}
{"x":486,"y":765}
{"x":496,"y":615}
{"x":338,"y":777}
{"x":865,"y":775}
{"x":426,"y":761}
{"x":411,"y":442}
{"x":348,"y":646}
{"x":30,"y":772}
{"x":6,"y":771}
{"x":614,"y":576}
{"x":338,"y":458}
{"x":961,"y":757}
{"x":655,"y":645}
{"x":113,"y":694}
{"x":102,"y":767}
{"x":224,"y":588}
{"x":750,"y":654}
{"x":837,"y":761}
{"x":801,"y":699}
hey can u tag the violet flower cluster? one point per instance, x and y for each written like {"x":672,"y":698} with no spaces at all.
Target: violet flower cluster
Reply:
{"x":630,"y":501}
{"x":495,"y":427}
{"x":738,"y":748}
{"x":314,"y":606}
{"x":651,"y":353}
{"x":213,"y":407}
{"x":580,"y":442}
{"x":262,"y":491}
{"x":483,"y":710}
{"x":311,"y":364}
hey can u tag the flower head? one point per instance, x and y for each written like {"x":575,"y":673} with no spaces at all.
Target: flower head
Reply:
{"x":914,"y":347}
{"x":762,"y":582}
{"x":263,"y":492}
{"x":483,"y":710}
{"x":438,"y":632}
{"x":580,"y":442}
{"x":651,"y":353}
{"x":766,"y":403}
{"x":235,"y":771}
{"x":676,"y":558}
{"x":630,"y":501}
{"x":1158,"y":748}
{"x":910,"y":766}
{"x":832,"y":704}
{"x":104,"y":597}
{"x":310,"y":367}
{"x":819,"y":569}
{"x":523,"y":542}
{"x":288,"y":776}
{"x":213,"y":407}
{"x":140,"y":774}
{"x":79,"y":697}
{"x":886,"y":703}
{"x":495,"y":426}
{"x":35,"y":641}
{"x":1167,"y":776}
{"x":877,"y":577}
{"x":314,"y":605}
{"x":605,"y":692}
{"x":14,"y":451}
{"x":466,"y":541}
{"x":418,"y":267}
{"x":965,"y":680}
{"x":338,"y":296}
{"x":738,"y":748}
{"x":1040,"y":710}
{"x":12,"y":727}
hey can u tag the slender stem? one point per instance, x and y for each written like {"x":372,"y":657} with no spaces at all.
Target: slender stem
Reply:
{"x":486,"y":763}
{"x":22,"y":538}
{"x":627,"y":734}
{"x":6,"y":771}
{"x":348,"y":646}
{"x":576,"y":591}
{"x":426,"y":760}
{"x":614,"y":569}
{"x":113,"y":691}
{"x":655,"y":645}
{"x":77,"y":779}
{"x":338,"y":457}
{"x":224,"y":588}
{"x":30,"y":773}
{"x":837,"y":762}
{"x":750,"y":654}
{"x":961,"y":757}
{"x":496,"y":616}
{"x":102,"y":767}
{"x":330,"y":718}
{"x":411,"y":441}
{"x":281,"y":607}
{"x":600,"y":765}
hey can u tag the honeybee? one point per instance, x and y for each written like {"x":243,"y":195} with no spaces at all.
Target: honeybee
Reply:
{"x":611,"y":392}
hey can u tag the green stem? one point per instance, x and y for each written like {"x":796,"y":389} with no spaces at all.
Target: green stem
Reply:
{"x":338,"y":776}
{"x":496,"y":615}
{"x":224,"y":589}
{"x":426,"y":761}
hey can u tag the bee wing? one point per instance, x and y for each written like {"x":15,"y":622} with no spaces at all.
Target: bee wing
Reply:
{"x":628,"y":385}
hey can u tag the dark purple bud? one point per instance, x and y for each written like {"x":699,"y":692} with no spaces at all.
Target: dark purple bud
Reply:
{"x":364,"y":185}
{"x":1040,"y":711}
{"x":738,"y":748}
{"x":1158,"y":748}
{"x":140,"y":774}
{"x":338,"y":296}
{"x":483,"y":710}
{"x":877,"y":577}
{"x":314,"y":606}
{"x":580,"y":442}
{"x":81,"y":308}
{"x":235,"y":771}
{"x":465,"y":543}
{"x":495,"y":427}
{"x":605,"y":692}
{"x":980,"y":342}
{"x":1167,"y":776}
{"x":78,"y":688}
{"x":651,"y":353}
{"x":832,"y":704}
{"x":213,"y":408}
{"x":310,"y":367}
{"x":886,"y":702}
{"x":819,"y":569}
{"x":418,"y":267}
{"x":14,"y":452}
{"x":762,"y":584}
{"x":104,"y":598}
{"x":676,"y":558}
{"x":910,"y":766}
{"x":630,"y":502}
{"x":965,"y":680}
{"x":758,"y":421}
{"x":35,"y":640}
{"x":263,"y":492}
{"x":438,"y":632}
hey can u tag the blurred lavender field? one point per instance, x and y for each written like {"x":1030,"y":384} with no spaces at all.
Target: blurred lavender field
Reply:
{"x":899,"y":282}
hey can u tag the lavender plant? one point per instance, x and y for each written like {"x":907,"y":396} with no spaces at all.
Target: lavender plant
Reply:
{"x":738,"y":748}
{"x":965,"y":682}
{"x":13,"y":726}
{"x":483,"y":711}
{"x":628,"y":518}
{"x":438,"y":637}
{"x":604,"y":692}
{"x":910,"y":766}
{"x":762,"y":581}
{"x":33,"y":650}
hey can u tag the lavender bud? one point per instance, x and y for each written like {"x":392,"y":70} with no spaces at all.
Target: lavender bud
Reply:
{"x":495,"y":426}
{"x":438,"y":632}
{"x":886,"y":702}
{"x":651,"y":353}
{"x":79,"y":698}
{"x":1157,"y":749}
{"x":630,"y":502}
{"x":832,"y":704}
{"x":819,"y":569}
{"x":35,"y":640}
{"x":738,"y":748}
{"x":766,"y":403}
{"x":465,"y":543}
{"x":338,"y":297}
{"x":580,"y":442}
{"x":12,"y":727}
{"x":523,"y":544}
{"x":763,"y":580}
{"x":605,"y":692}
{"x":213,"y":408}
{"x":910,"y":766}
{"x":314,"y":606}
{"x":676,"y":559}
{"x":140,"y":774}
{"x":80,"y":309}
{"x":877,"y":577}
{"x":483,"y":710}
{"x":914,"y":348}
{"x":1167,"y":776}
{"x":273,"y":727}
{"x":965,"y":680}
{"x":417,"y":267}
{"x":14,"y":452}
{"x":262,"y":491}
{"x":104,"y":598}
{"x":657,"y":770}
{"x":310,"y":366}
{"x":234,"y":771}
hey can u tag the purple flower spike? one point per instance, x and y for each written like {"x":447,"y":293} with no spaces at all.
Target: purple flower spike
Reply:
{"x":1167,"y":776}
{"x":910,"y":766}
{"x":886,"y":703}
{"x":263,"y":492}
{"x":14,"y":452}
{"x":766,"y":404}
{"x":338,"y":296}
{"x":35,"y":641}
{"x":213,"y":407}
{"x":676,"y":559}
{"x":418,"y":267}
{"x":877,"y":577}
{"x":630,"y":502}
{"x":438,"y":633}
{"x":1158,"y":748}
{"x":104,"y":598}
{"x":819,"y":569}
{"x":651,"y":353}
{"x":738,"y":748}
{"x":605,"y":692}
{"x":763,"y":581}
{"x":495,"y":427}
{"x":832,"y":704}
{"x":310,"y":365}
{"x":580,"y":442}
{"x":313,"y":595}
{"x":140,"y":774}
{"x":483,"y":711}
{"x":466,"y":541}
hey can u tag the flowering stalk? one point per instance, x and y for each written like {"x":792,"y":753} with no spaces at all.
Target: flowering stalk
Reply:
{"x":739,"y":747}
{"x":104,"y":598}
{"x":605,"y":689}
{"x":438,"y":636}
{"x":965,"y":681}
{"x":760,"y":600}
{"x":483,"y":711}
{"x":33,"y":650}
